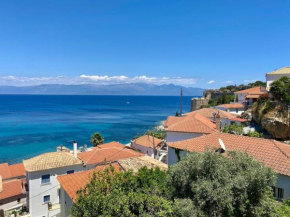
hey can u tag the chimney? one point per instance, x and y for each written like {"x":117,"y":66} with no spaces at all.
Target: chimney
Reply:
{"x":1,"y":186}
{"x":218,"y":121}
{"x":75,"y":149}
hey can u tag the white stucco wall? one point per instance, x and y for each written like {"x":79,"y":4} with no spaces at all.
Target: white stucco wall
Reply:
{"x":284,"y":182}
{"x":12,"y":201}
{"x":271,"y":78}
{"x":37,"y":191}
{"x":65,"y":203}
{"x":145,"y":150}
{"x":179,"y":136}
{"x":172,"y":157}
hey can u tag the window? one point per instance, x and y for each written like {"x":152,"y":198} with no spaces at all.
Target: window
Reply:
{"x":46,"y":199}
{"x":278,"y":193}
{"x":70,"y":172}
{"x":45,"y":179}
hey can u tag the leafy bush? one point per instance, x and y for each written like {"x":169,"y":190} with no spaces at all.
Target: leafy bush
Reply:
{"x":280,"y":90}
{"x":111,"y":193}
{"x":236,"y":185}
{"x":263,"y":98}
{"x":284,"y":208}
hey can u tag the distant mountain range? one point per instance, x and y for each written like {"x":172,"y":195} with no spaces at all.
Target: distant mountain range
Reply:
{"x":114,"y":89}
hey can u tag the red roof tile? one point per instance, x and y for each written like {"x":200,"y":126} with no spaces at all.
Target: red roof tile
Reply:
{"x":71,"y":183}
{"x":231,"y":105}
{"x":208,"y":112}
{"x":11,"y":188}
{"x":239,"y":119}
{"x":253,"y":90}
{"x":147,"y":141}
{"x":172,"y":120}
{"x":108,"y":152}
{"x":194,"y":123}
{"x":273,"y":153}
{"x":5,"y":171}
{"x":17,"y":170}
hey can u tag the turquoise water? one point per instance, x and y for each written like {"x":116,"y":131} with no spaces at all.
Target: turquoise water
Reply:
{"x":34,"y":124}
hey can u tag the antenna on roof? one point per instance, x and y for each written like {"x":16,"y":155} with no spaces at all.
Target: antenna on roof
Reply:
{"x":223,"y":147}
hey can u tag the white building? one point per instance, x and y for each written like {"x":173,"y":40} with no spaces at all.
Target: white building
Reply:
{"x":249,"y":96}
{"x":43,"y":187}
{"x":233,"y":108}
{"x":273,"y":154}
{"x":146,"y":144}
{"x":276,"y":75}
{"x":192,"y":126}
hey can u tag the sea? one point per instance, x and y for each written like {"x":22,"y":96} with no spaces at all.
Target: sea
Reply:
{"x":34,"y":124}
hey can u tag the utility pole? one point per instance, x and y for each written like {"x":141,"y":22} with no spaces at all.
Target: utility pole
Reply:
{"x":181,"y":102}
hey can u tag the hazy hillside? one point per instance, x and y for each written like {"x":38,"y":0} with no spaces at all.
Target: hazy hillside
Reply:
{"x":91,"y":89}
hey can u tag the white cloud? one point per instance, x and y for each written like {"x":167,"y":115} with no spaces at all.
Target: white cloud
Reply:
{"x":249,"y":81}
{"x":94,"y":79}
{"x":211,"y":82}
{"x":227,"y":82}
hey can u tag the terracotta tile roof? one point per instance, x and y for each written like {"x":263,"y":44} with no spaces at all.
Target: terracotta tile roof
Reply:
{"x":11,"y":188}
{"x":232,"y":105}
{"x":112,"y":144}
{"x":50,"y":160}
{"x":172,"y":120}
{"x":107,"y":152}
{"x":273,"y":153}
{"x":137,"y":163}
{"x":17,"y":170}
{"x":195,"y":123}
{"x":5,"y":171}
{"x":282,"y":71}
{"x":208,"y":112}
{"x":147,"y":141}
{"x":71,"y":183}
{"x":239,"y":119}
{"x":253,"y":90}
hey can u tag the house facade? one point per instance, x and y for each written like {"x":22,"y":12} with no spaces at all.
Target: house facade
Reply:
{"x":43,"y":198}
{"x":249,"y":96}
{"x":12,"y":187}
{"x":276,"y":75}
{"x":233,"y":108}
{"x":272,"y":153}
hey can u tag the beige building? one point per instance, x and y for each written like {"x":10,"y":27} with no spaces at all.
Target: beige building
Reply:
{"x":276,"y":75}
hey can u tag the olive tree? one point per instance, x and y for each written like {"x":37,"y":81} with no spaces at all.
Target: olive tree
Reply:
{"x":218,"y":185}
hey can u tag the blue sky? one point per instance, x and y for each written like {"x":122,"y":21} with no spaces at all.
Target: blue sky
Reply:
{"x":184,"y":42}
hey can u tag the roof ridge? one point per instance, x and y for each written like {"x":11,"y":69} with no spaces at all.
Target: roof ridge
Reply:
{"x":203,"y":122}
{"x":274,"y":142}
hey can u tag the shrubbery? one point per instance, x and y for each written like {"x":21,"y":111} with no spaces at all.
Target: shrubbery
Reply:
{"x":280,"y":90}
{"x":201,"y":184}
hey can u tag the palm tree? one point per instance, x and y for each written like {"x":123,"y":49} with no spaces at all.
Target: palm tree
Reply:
{"x":97,"y":139}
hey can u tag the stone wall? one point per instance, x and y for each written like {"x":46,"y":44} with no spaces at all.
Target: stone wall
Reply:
{"x":196,"y":103}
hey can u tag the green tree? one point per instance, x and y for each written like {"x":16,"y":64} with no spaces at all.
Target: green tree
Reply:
{"x":97,"y":139}
{"x":176,"y":114}
{"x":111,"y":193}
{"x":280,"y":89}
{"x":215,"y":185}
{"x":284,"y":208}
{"x":157,"y":134}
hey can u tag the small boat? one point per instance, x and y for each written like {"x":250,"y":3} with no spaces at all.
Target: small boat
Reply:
{"x":128,"y":102}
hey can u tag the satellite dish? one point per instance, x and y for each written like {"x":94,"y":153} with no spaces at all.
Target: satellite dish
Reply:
{"x":223,"y":147}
